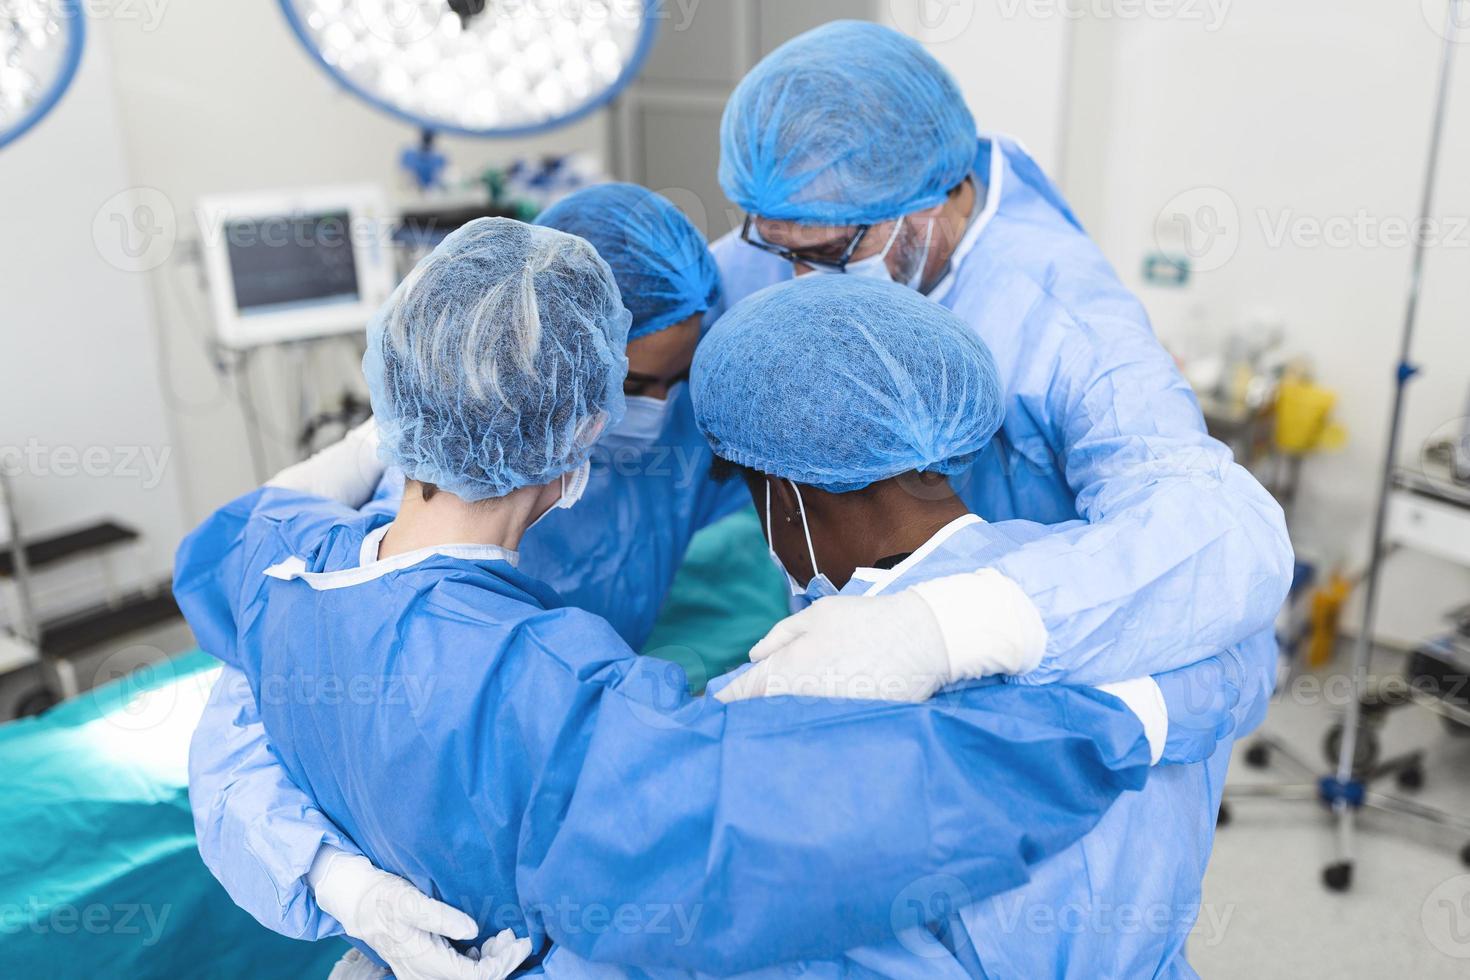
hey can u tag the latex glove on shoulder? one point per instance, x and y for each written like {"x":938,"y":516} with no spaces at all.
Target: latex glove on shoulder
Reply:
{"x":900,"y":647}
{"x":347,"y":471}
{"x":407,"y":929}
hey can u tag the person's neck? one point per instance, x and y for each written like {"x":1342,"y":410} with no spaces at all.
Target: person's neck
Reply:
{"x":910,"y":532}
{"x":887,"y":532}
{"x":445,"y":519}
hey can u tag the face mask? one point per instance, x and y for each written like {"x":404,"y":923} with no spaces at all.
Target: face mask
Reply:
{"x":917,"y":279}
{"x":643,"y":422}
{"x":573,"y":485}
{"x":876,"y":266}
{"x":872,"y":267}
{"x":820,"y":585}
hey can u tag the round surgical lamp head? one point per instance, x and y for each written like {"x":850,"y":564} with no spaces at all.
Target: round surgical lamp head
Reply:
{"x":478,"y":67}
{"x":40,"y":48}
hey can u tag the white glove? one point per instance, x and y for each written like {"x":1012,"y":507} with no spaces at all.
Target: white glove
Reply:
{"x":406,"y":928}
{"x":1145,"y":699}
{"x":900,"y":647}
{"x":356,"y":966}
{"x":346,"y":471}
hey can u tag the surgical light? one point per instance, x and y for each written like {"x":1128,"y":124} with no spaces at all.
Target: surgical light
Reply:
{"x":478,"y":67}
{"x":40,"y":48}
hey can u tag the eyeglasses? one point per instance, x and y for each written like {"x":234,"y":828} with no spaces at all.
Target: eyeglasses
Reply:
{"x":751,"y":236}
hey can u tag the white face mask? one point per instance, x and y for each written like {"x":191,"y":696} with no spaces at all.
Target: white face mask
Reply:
{"x":820,"y":585}
{"x":643,"y":422}
{"x":573,"y":485}
{"x":876,"y":266}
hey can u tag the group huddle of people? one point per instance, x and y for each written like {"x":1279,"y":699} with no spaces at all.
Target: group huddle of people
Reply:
{"x":1032,"y":598}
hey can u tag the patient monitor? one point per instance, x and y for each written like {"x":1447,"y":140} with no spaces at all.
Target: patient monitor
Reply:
{"x":295,"y":265}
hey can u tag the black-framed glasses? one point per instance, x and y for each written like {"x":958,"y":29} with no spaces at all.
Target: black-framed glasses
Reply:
{"x":751,"y":236}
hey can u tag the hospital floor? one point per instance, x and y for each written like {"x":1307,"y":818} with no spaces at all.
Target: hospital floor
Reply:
{"x":1266,"y":912}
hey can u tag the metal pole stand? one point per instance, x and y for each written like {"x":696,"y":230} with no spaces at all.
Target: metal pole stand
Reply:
{"x":1346,"y":791}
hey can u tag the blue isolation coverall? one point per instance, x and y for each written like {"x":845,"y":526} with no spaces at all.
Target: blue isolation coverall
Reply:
{"x":513,"y":757}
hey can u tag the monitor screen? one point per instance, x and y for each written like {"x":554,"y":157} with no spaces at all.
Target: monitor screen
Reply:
{"x":290,"y":261}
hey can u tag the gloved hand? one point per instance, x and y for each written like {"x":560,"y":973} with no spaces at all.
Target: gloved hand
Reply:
{"x":347,"y":471}
{"x":406,"y":928}
{"x":1201,"y":702}
{"x":899,"y":647}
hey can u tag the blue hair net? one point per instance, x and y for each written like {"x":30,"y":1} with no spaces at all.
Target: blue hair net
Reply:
{"x":496,"y":363}
{"x":660,"y":260}
{"x":850,"y":123}
{"x":837,"y":382}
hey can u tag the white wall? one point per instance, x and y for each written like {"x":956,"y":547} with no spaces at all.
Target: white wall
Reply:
{"x":1012,"y":67}
{"x":80,"y":409}
{"x":1305,"y":112}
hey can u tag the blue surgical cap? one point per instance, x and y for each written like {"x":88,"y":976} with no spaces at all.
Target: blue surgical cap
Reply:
{"x":660,"y":260}
{"x":497,"y":362}
{"x":850,"y":123}
{"x":837,"y":382}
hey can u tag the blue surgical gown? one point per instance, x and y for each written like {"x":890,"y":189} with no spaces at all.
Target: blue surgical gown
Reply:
{"x":614,"y":554}
{"x":515,"y":758}
{"x":1159,"y":551}
{"x":1119,"y":902}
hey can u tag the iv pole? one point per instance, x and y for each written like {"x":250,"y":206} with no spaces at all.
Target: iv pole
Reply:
{"x":1345,"y":791}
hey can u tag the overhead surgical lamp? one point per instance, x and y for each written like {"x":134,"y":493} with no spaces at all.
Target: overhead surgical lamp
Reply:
{"x":40,"y":49}
{"x":478,"y":67}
